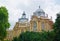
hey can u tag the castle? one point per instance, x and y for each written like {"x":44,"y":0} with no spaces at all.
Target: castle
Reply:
{"x":39,"y":21}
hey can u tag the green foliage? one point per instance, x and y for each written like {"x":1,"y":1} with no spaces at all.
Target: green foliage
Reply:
{"x":57,"y":28}
{"x":4,"y":24}
{"x":29,"y":36}
{"x":57,"y":23}
{"x":15,"y":39}
{"x":36,"y":36}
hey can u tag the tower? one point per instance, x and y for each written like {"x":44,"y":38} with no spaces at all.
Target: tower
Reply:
{"x":23,"y":19}
{"x":21,"y":26}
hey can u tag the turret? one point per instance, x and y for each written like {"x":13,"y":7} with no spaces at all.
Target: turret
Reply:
{"x":23,"y":18}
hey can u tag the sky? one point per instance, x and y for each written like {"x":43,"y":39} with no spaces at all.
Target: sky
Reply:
{"x":16,"y":7}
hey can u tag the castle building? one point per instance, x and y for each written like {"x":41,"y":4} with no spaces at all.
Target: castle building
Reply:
{"x":39,"y":21}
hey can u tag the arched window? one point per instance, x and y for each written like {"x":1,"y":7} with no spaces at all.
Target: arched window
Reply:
{"x":43,"y":26}
{"x":35,"y":26}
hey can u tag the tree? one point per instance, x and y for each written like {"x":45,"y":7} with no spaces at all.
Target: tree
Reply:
{"x":4,"y":24}
{"x":57,"y":28}
{"x":29,"y":36}
{"x":35,"y":36}
{"x":15,"y":39}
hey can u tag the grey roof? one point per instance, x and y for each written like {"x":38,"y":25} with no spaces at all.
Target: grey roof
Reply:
{"x":39,"y":12}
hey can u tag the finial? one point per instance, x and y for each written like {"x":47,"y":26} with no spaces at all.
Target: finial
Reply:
{"x":39,"y":6}
{"x":23,"y":12}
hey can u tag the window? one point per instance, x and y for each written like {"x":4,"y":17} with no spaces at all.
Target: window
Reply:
{"x":35,"y":26}
{"x":43,"y":26}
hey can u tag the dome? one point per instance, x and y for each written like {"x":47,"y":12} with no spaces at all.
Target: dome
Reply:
{"x":39,"y":12}
{"x":23,"y":18}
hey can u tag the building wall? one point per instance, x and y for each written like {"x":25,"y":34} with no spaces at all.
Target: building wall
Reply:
{"x":28,"y":26}
{"x":39,"y":22}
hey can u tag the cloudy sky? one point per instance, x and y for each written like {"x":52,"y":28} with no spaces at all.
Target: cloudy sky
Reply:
{"x":16,"y":8}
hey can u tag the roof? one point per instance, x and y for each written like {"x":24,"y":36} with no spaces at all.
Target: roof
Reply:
{"x":39,"y":12}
